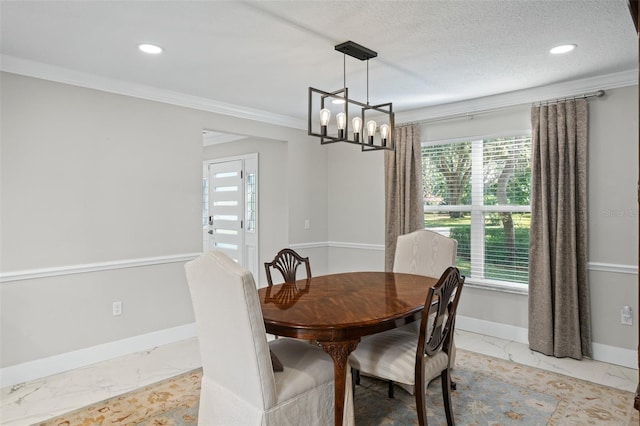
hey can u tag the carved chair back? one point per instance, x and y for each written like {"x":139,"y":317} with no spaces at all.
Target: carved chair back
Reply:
{"x":287,"y":262}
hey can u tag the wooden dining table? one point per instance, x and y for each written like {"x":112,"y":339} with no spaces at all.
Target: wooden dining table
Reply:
{"x":337,"y":310}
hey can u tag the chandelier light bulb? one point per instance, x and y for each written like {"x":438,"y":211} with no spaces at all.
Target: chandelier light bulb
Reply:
{"x":371,"y":130}
{"x":341,"y":120}
{"x":384,"y":133}
{"x":357,"y":124}
{"x":357,"y":127}
{"x":325,"y":115}
{"x":371,"y":127}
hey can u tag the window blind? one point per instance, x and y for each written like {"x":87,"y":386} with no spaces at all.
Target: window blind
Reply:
{"x":478,"y":192}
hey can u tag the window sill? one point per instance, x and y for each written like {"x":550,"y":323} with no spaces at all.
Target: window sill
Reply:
{"x":500,"y":286}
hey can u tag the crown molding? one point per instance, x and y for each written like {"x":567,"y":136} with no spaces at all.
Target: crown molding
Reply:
{"x":40,"y":70}
{"x":34,"y":69}
{"x":521,"y":97}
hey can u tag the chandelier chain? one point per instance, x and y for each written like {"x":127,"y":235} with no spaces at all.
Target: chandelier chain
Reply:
{"x":367,"y":82}
{"x":344,"y":70}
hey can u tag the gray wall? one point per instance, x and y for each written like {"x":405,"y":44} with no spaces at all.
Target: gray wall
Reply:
{"x":92,"y":178}
{"x":92,"y":181}
{"x":613,"y":215}
{"x":356,"y":208}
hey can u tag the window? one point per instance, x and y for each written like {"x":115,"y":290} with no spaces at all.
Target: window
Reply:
{"x":252,"y":202}
{"x":205,"y":202}
{"x":477,"y":192}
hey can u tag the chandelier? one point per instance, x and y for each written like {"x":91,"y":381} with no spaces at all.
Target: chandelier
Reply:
{"x":370,"y":126}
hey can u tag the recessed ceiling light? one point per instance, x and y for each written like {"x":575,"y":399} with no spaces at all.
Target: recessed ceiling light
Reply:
{"x":563,"y":48}
{"x":150,"y":48}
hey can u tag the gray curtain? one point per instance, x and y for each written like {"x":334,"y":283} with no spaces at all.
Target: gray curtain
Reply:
{"x":403,"y":189}
{"x":559,"y":312}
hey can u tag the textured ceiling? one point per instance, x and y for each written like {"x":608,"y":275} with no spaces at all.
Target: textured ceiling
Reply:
{"x":264,"y":55}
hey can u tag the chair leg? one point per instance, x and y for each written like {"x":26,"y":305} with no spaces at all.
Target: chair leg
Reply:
{"x":420,"y":393}
{"x":391,"y":389}
{"x":445,"y":378}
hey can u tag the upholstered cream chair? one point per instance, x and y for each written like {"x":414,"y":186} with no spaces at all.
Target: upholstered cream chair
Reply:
{"x":413,"y":359}
{"x":239,"y":385}
{"x":424,"y":252}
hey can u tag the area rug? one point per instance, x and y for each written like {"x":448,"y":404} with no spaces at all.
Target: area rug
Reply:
{"x":490,"y":391}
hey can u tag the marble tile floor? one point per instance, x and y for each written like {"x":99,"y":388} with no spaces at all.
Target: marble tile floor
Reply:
{"x":29,"y":403}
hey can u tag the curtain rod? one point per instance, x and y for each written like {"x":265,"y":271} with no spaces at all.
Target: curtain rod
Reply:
{"x":596,"y":94}
{"x":470,"y":115}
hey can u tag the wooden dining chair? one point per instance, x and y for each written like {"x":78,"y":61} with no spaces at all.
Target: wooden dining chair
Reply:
{"x":429,"y":253}
{"x":404,"y":357}
{"x":287,"y":262}
{"x":241,"y":384}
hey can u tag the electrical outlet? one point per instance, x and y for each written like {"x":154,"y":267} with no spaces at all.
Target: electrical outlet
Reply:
{"x":307,"y":224}
{"x":117,"y":308}
{"x":626,"y":317}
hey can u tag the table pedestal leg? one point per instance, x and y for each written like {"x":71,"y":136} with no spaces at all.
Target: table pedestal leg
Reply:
{"x":339,"y":351}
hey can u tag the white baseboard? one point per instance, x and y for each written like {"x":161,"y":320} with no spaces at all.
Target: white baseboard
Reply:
{"x":493,"y":329}
{"x":604,"y":353}
{"x":44,"y":367}
{"x":615,"y":355}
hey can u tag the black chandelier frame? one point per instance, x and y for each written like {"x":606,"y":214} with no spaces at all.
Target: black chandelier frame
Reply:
{"x":366,"y":111}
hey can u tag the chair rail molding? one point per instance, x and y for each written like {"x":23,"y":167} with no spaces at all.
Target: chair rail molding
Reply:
{"x":54,"y":271}
{"x":613,"y":267}
{"x":592,"y":266}
{"x":337,"y":244}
